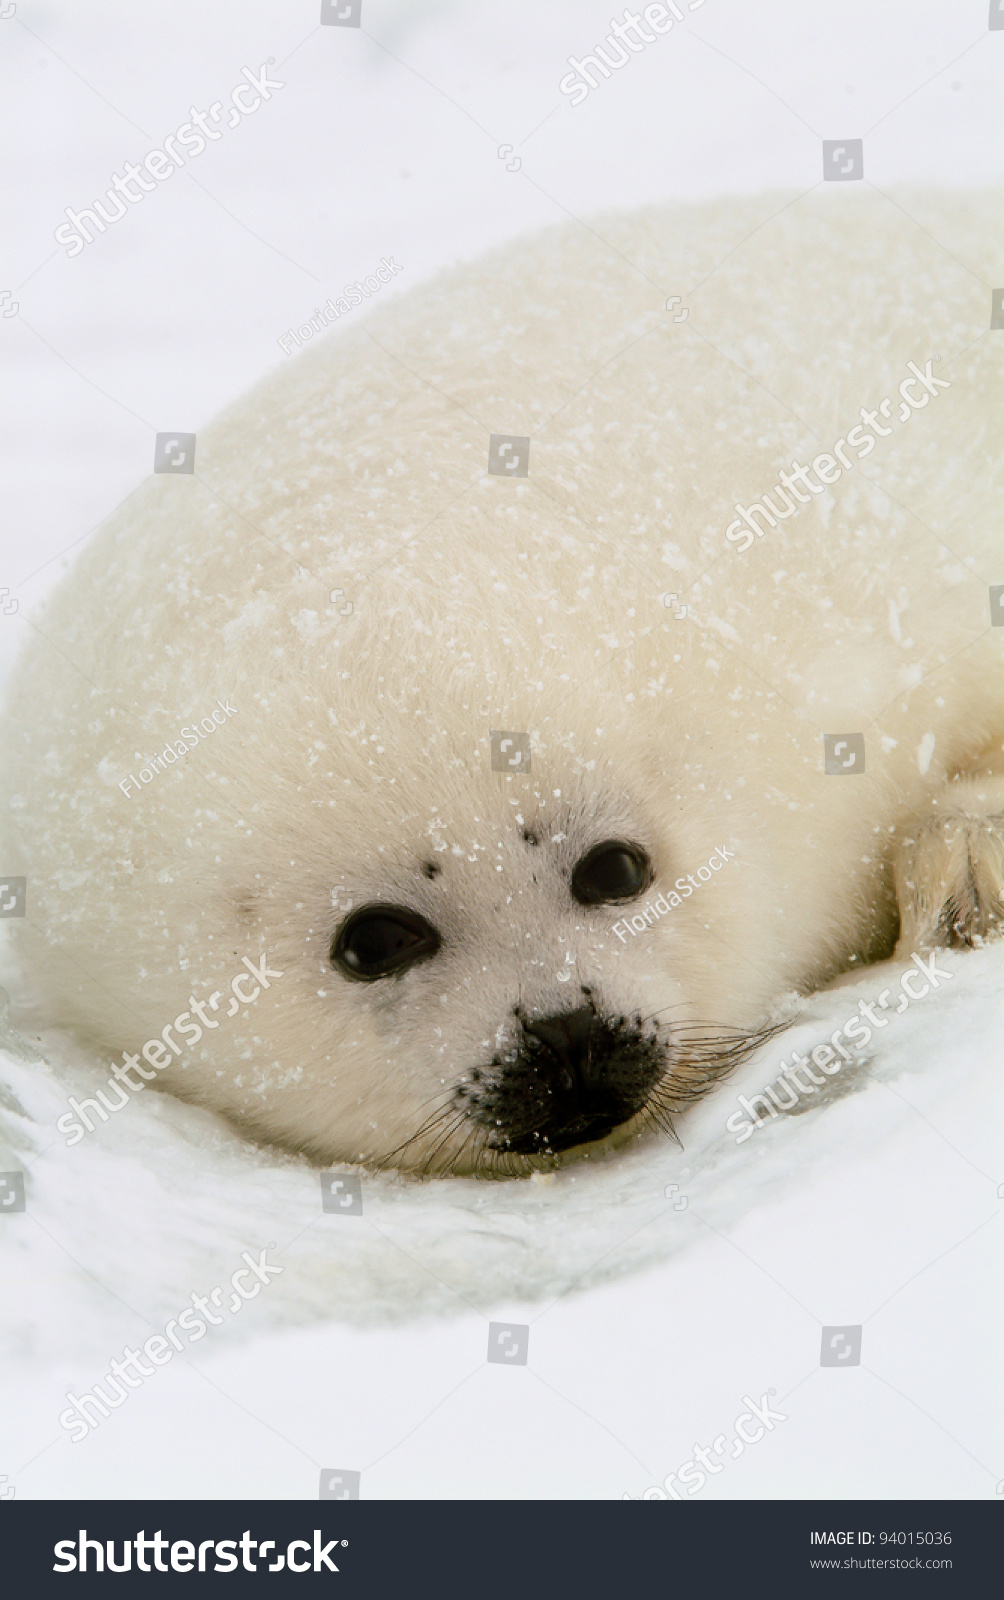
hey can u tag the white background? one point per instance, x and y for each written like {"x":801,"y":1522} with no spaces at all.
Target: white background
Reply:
{"x":385,"y":141}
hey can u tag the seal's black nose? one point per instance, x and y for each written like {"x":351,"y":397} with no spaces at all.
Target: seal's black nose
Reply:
{"x":574,"y":1077}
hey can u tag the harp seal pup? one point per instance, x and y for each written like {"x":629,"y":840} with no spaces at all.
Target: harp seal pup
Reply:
{"x":476,"y":967}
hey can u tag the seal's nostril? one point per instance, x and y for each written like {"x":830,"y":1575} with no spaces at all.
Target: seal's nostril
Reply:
{"x":567,"y":1034}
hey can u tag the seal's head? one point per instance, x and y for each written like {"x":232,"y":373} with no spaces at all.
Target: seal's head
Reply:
{"x":497,"y":945}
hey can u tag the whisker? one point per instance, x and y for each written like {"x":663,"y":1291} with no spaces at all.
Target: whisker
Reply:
{"x":427,"y":1126}
{"x":451,"y":1128}
{"x":705,"y":1053}
{"x":699,"y":1055}
{"x":674,"y":1007}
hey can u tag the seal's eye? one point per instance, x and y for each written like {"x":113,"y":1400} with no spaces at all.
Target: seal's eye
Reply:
{"x":612,"y":870}
{"x":377,"y":941}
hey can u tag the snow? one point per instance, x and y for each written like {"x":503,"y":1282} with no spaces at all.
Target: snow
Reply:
{"x":650,"y":1320}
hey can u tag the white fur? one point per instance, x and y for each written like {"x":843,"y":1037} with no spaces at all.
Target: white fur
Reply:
{"x":360,"y":748}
